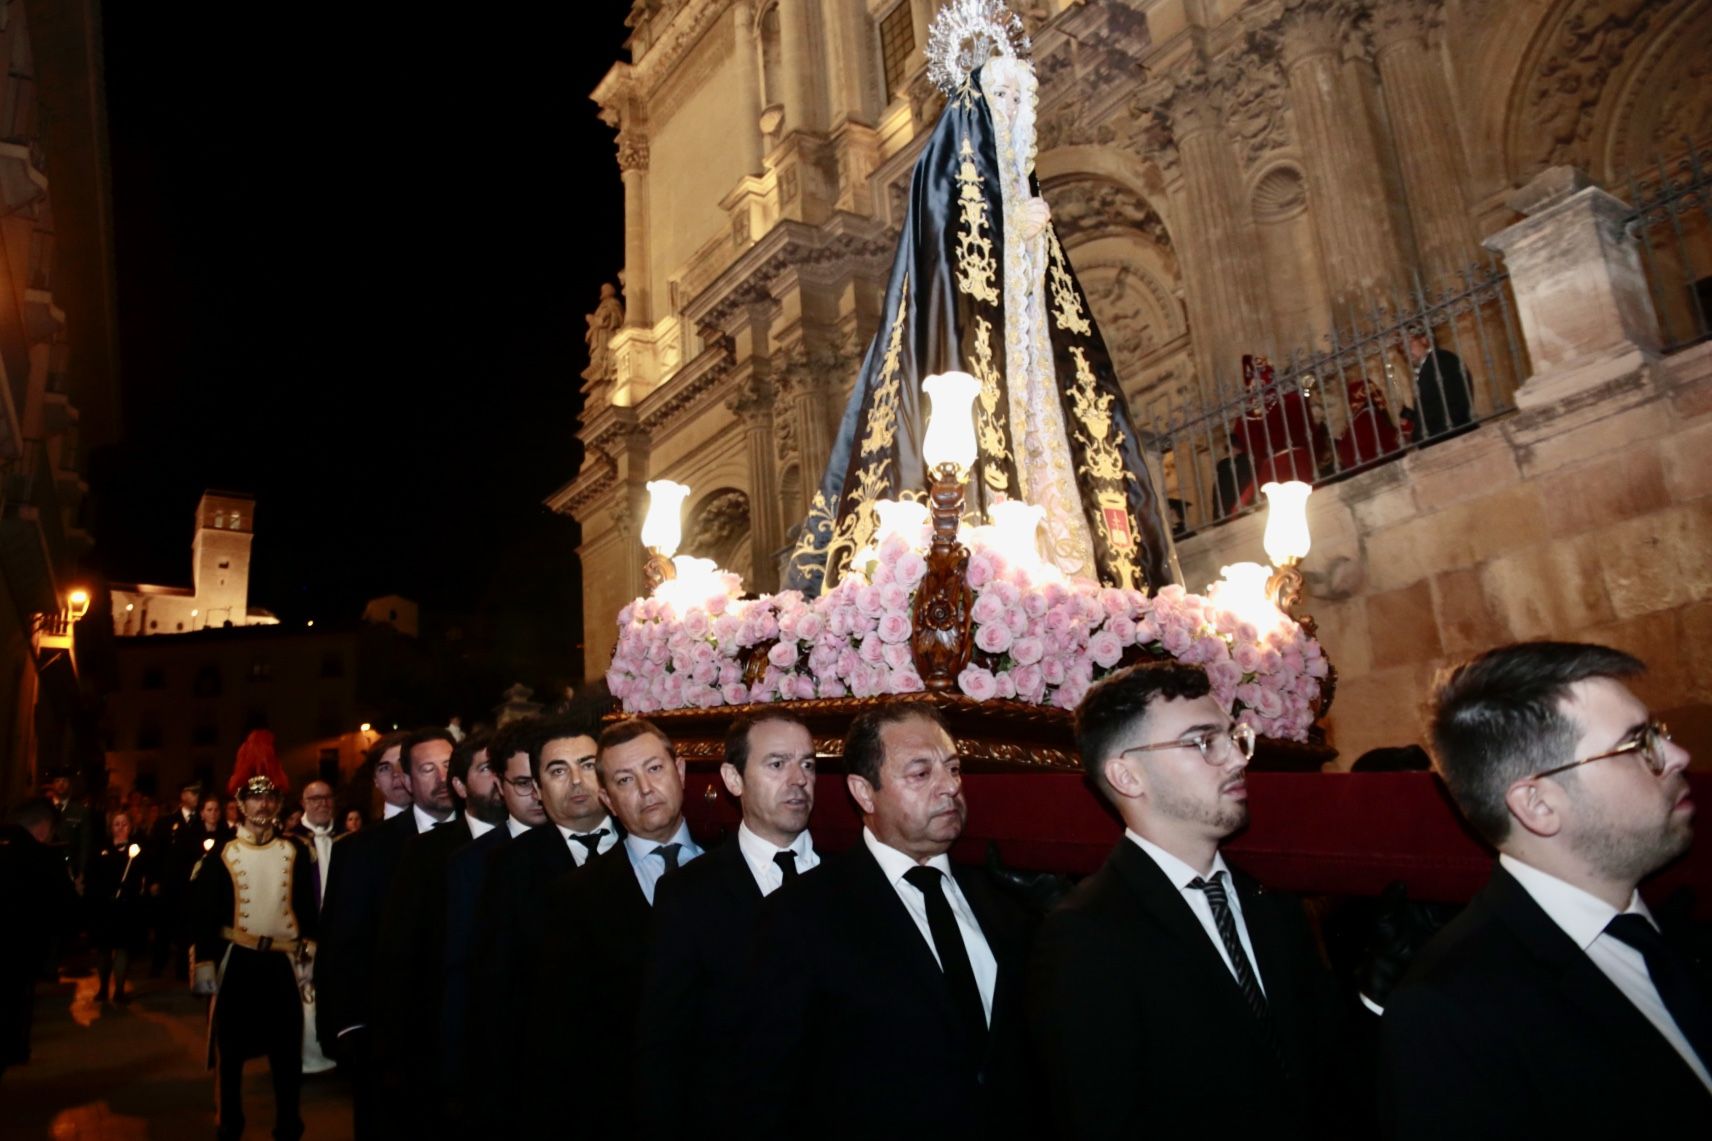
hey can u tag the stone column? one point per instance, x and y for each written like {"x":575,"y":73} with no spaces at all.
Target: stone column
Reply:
{"x":1364,"y":251}
{"x":1428,"y":149}
{"x":752,"y":403}
{"x":1230,"y":312}
{"x":749,"y":68}
{"x":1580,"y":291}
{"x":633,"y":165}
{"x":800,"y":65}
{"x":848,"y":29}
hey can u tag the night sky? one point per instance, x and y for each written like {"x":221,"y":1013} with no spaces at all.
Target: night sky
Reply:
{"x":353,"y":257}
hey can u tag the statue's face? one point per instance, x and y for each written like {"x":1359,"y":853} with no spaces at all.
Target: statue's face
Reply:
{"x":1002,"y":80}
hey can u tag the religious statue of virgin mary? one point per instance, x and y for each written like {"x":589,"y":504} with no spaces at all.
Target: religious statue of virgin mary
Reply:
{"x":980,"y":284}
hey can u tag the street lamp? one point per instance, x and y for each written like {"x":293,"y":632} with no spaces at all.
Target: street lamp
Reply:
{"x":662,"y":530}
{"x":940,"y":642}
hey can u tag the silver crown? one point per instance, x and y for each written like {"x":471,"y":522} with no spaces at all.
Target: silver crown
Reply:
{"x":968,"y":33}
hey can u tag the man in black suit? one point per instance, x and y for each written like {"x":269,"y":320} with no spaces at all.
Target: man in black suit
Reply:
{"x":466,"y":873}
{"x":1443,"y":395}
{"x":412,"y":935}
{"x":691,"y":998}
{"x":1553,"y":1006}
{"x":37,"y":904}
{"x":885,"y":991}
{"x":598,"y":922}
{"x":345,"y":961}
{"x":1168,"y":993}
{"x":514,"y":909}
{"x":176,"y":845}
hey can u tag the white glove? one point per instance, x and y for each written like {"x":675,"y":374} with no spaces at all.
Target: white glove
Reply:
{"x":202,"y":980}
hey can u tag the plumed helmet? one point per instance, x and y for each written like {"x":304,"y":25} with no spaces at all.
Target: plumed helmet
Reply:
{"x":258,"y":786}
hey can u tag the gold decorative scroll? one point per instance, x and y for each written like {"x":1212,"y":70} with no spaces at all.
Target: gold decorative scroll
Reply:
{"x":990,"y":416}
{"x":976,"y":268}
{"x":1093,"y":410}
{"x":1066,"y":305}
{"x":883,"y":412}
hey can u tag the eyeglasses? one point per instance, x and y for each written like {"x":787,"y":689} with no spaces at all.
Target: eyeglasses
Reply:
{"x":1649,"y":743}
{"x":1240,"y":737}
{"x":522,"y":786}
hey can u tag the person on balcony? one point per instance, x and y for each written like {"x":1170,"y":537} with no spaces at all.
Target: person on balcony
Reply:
{"x":1554,"y":1006}
{"x":1443,"y":394}
{"x":1276,"y":434}
{"x":1370,"y":435}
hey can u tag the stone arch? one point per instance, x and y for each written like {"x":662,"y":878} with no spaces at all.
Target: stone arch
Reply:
{"x":1589,"y":70}
{"x":1289,"y":253}
{"x":719,"y":529}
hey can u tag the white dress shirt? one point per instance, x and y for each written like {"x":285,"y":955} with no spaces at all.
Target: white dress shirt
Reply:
{"x":425,"y":822}
{"x":515,"y":826}
{"x":895,"y":864}
{"x":580,"y":853}
{"x":649,"y":867}
{"x":1583,"y":916}
{"x":388,"y":809}
{"x":1181,"y":875}
{"x":478,"y":828}
{"x":321,"y":836}
{"x":759,"y":853}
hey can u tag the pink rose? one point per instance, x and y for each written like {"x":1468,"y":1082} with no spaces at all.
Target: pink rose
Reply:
{"x":695,"y":623}
{"x":847,"y":663}
{"x":982,"y":567}
{"x":1027,"y":651}
{"x":1268,"y":704}
{"x":1177,"y":641}
{"x":872,"y":649}
{"x":906,"y":681}
{"x":1317,"y":667}
{"x":1270,"y":660}
{"x":1030,"y":684}
{"x":995,"y":637}
{"x":1105,"y":649}
{"x":898,"y":655}
{"x":1225,"y":675}
{"x":911,"y":568}
{"x":783,"y":655}
{"x":1052,"y":669}
{"x":823,"y":660}
{"x":735,"y":692}
{"x":1007,"y":685}
{"x":894,"y":627}
{"x":868,"y":600}
{"x":977,"y":683}
{"x":989,"y":607}
{"x":625,"y":615}
{"x":1208,"y":648}
{"x":894,"y":597}
{"x":832,"y":687}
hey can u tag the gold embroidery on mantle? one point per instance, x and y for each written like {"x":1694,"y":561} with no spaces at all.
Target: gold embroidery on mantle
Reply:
{"x":990,"y":416}
{"x":817,"y":528}
{"x":1120,"y":539}
{"x":1066,"y":306}
{"x":856,"y":529}
{"x":1093,"y":409}
{"x":976,"y":267}
{"x":883,"y":412}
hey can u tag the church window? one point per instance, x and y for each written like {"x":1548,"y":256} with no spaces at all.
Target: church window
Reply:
{"x":897,"y":41}
{"x":220,"y":520}
{"x":771,"y":82}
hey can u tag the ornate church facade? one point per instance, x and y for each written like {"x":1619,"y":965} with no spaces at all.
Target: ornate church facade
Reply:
{"x":1228,"y":176}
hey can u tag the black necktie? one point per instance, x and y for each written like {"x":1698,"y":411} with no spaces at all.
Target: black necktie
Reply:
{"x":953,"y":955}
{"x":590,"y":841}
{"x":787,"y":861}
{"x":1226,"y":923}
{"x":668,"y":853}
{"x":1672,"y":978}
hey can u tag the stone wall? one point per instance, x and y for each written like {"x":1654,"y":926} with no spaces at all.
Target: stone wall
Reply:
{"x":1587,"y":519}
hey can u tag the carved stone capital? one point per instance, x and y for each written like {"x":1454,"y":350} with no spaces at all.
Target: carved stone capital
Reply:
{"x":1187,"y":101}
{"x":623,"y":518}
{"x":752,"y":399}
{"x":1252,"y":78}
{"x":1312,"y":28}
{"x":1403,"y":23}
{"x":632,"y":150}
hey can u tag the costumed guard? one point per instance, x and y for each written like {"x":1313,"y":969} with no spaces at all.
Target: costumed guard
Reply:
{"x":254,"y":924}
{"x":980,"y":284}
{"x":1277,"y":431}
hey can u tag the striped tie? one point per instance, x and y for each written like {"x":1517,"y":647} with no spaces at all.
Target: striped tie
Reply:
{"x":1226,"y":923}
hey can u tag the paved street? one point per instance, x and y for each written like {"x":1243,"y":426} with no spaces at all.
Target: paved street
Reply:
{"x":125,"y":1073}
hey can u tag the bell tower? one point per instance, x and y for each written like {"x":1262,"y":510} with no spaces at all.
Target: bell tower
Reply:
{"x":220,"y":557}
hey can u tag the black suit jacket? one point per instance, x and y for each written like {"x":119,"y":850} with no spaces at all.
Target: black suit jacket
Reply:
{"x":851,"y":1031}
{"x":350,"y":925}
{"x":692,"y":998}
{"x":1141,"y":1028}
{"x":589,"y":983}
{"x":512,"y":921}
{"x":411,"y":947}
{"x":466,"y":874}
{"x":1503,"y":1026}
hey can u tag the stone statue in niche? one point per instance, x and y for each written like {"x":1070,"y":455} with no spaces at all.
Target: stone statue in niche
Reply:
{"x":607,"y":318}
